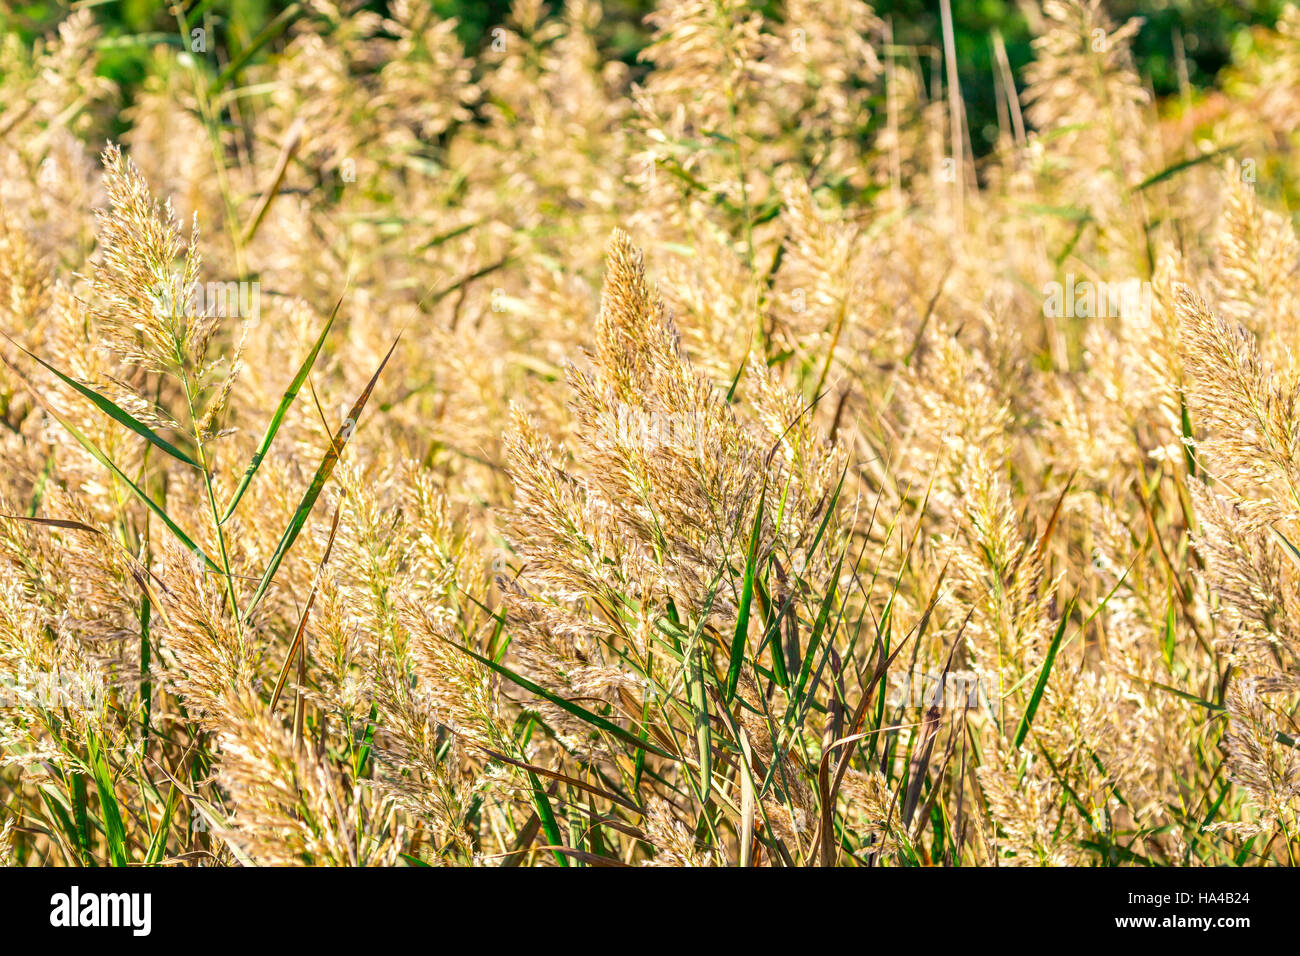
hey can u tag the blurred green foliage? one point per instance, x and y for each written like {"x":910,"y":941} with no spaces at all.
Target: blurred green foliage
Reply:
{"x":1209,"y":31}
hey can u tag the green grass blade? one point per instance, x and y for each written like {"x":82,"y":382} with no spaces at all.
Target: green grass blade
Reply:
{"x":114,"y":831}
{"x":1172,"y":170}
{"x":1209,"y":705}
{"x":773,"y":634}
{"x":819,"y":627}
{"x":158,"y":845}
{"x":1185,"y":417}
{"x":731,"y":392}
{"x":1291,"y":550}
{"x":746,"y":600}
{"x":544,"y":813}
{"x":1023,"y":730}
{"x":113,"y":411}
{"x":146,"y":683}
{"x":772,"y":619}
{"x":700,"y":708}
{"x":302,"y":618}
{"x":367,"y":741}
{"x":563,"y":778}
{"x":267,"y":34}
{"x":81,"y":814}
{"x":441,"y":238}
{"x":192,"y":17}
{"x":71,"y":835}
{"x":290,"y":394}
{"x":323,"y":472}
{"x":578,"y":711}
{"x":148,"y":502}
{"x":1171,"y":635}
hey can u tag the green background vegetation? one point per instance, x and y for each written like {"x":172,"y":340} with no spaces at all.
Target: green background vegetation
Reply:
{"x":1212,"y":33}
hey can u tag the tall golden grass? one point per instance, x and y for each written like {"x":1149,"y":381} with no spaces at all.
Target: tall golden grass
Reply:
{"x":414,"y":455}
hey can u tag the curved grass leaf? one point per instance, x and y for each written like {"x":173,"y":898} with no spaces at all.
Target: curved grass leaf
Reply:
{"x":114,"y":831}
{"x":69,"y":836}
{"x":547,"y":817}
{"x":290,"y":394}
{"x":323,"y":473}
{"x":158,"y":845}
{"x":148,"y":502}
{"x":1176,"y":168}
{"x":302,"y":618}
{"x":137,"y":573}
{"x":746,"y":600}
{"x":700,"y":708}
{"x":819,"y":627}
{"x":595,"y":720}
{"x":267,"y":34}
{"x":1023,"y":730}
{"x":563,"y":778}
{"x":113,"y":411}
